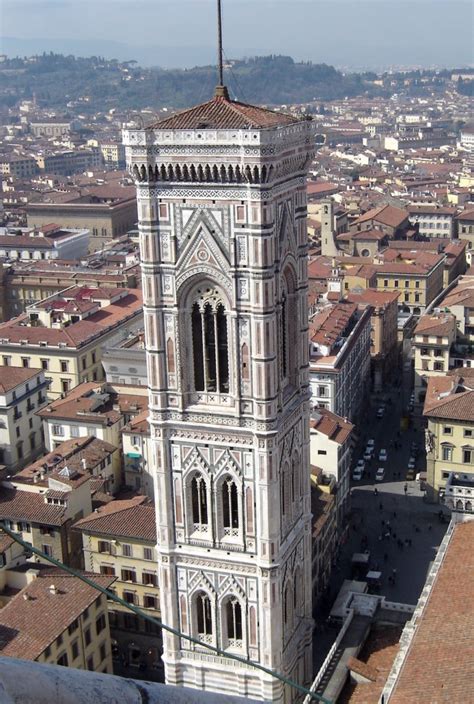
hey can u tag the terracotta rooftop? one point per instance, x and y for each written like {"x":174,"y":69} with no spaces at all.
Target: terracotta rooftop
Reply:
{"x":373,"y":663}
{"x":454,"y":403}
{"x":466,"y":215}
{"x":439,"y":324}
{"x":439,"y":662}
{"x":10,"y":377}
{"x":372,"y":297}
{"x":385,"y":214}
{"x":222,"y":113}
{"x":37,"y":615}
{"x":331,"y":425}
{"x":19,"y":505}
{"x":130,"y":518}
{"x":69,"y":453}
{"x":327,"y":326}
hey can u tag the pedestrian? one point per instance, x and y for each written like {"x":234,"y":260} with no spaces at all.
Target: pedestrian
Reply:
{"x":376,"y":492}
{"x":381,"y":506}
{"x":405,"y":488}
{"x":383,"y":522}
{"x":394,"y":514}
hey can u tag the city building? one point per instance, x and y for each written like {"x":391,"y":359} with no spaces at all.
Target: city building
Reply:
{"x":433,"y":220}
{"x":339,"y":364}
{"x":432,"y":341}
{"x":225,"y":305}
{"x":465,"y":223}
{"x":24,"y":283}
{"x":22,"y":393}
{"x":137,"y":455}
{"x":449,"y":412}
{"x":384,"y":349}
{"x":331,"y":443}
{"x":113,"y":154}
{"x":324,"y":532}
{"x":107,"y":212}
{"x":18,"y":166}
{"x":79,"y":459}
{"x":64,"y":334}
{"x":58,"y":619}
{"x":392,"y":221}
{"x":50,"y":128}
{"x":48,"y":242}
{"x":119,"y":541}
{"x":416,"y":276}
{"x":125,"y":362}
{"x":68,"y":162}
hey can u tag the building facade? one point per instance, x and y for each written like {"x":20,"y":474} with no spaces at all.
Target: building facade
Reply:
{"x":222,"y":213}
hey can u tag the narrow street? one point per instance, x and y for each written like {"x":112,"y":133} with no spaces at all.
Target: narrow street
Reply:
{"x":402,"y":531}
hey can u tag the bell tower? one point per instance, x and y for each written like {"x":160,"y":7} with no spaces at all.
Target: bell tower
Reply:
{"x":222,"y":214}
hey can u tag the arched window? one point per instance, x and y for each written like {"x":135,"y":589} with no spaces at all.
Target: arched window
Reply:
{"x":199,"y":502}
{"x":203,"y":615}
{"x":230,"y":507}
{"x":233,"y":615}
{"x":210,"y":351}
{"x":289,"y":327}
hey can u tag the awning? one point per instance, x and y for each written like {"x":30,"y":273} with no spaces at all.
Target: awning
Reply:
{"x":134,"y":455}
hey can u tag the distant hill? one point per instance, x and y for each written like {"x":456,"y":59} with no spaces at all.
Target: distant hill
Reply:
{"x":101,"y":84}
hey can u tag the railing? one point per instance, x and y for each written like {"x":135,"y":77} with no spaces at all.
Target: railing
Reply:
{"x":330,"y":655}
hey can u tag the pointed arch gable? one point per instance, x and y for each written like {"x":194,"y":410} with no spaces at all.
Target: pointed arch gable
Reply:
{"x":195,"y":462}
{"x":201,"y":582}
{"x":203,"y":228}
{"x":230,"y":587}
{"x":226,"y":464}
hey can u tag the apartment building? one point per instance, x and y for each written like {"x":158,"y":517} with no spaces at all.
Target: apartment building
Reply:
{"x":125,"y":363}
{"x":69,"y":162}
{"x":449,"y":412}
{"x":22,"y":393}
{"x":454,"y":252}
{"x":383,"y":332}
{"x":432,"y":341}
{"x":324,"y":533}
{"x":24,"y":283}
{"x":88,"y":456}
{"x":50,"y":128}
{"x":64,"y":334}
{"x":119,"y":541}
{"x":465,"y":226}
{"x":18,"y":166}
{"x":392,"y":221}
{"x":113,"y":154}
{"x":339,"y":367}
{"x":460,"y":302}
{"x":416,"y":276}
{"x":59,"y":620}
{"x":41,"y":509}
{"x":107,"y":212}
{"x":433,"y":220}
{"x":331,"y":442}
{"x":48,"y":242}
{"x":137,"y":455}
{"x":97,"y":411}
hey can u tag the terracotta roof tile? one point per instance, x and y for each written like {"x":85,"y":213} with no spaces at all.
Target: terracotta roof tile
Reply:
{"x":221,"y":113}
{"x":28,"y":625}
{"x":19,"y":505}
{"x":130,"y":518}
{"x":10,"y":377}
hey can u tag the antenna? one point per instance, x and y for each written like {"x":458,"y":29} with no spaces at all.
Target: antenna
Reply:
{"x":221,"y":89}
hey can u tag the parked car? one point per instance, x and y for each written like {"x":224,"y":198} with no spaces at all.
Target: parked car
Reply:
{"x":371,"y":443}
{"x":380,"y":474}
{"x":357,"y":474}
{"x":411,"y":463}
{"x":383,"y":455}
{"x":368,"y":454}
{"x":380,"y":412}
{"x":360,"y":465}
{"x":410,"y":475}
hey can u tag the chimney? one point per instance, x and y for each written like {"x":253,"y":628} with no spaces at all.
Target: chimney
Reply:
{"x":52,"y":589}
{"x":26,"y":596}
{"x":84,"y":463}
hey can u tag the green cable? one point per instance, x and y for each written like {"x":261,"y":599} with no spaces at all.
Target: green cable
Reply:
{"x":113,"y":597}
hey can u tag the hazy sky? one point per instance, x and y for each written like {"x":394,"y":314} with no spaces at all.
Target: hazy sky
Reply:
{"x":349,"y":33}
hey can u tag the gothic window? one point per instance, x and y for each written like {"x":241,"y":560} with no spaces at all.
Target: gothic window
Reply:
{"x":199,"y":502}
{"x":209,"y":341}
{"x":203,"y":615}
{"x":233,"y":613}
{"x":288,"y":326}
{"x":230,"y":507}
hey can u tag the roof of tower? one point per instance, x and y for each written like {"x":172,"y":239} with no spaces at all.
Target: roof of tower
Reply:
{"x":222,"y":113}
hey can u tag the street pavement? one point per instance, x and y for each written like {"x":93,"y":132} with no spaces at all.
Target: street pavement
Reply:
{"x":402,"y":531}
